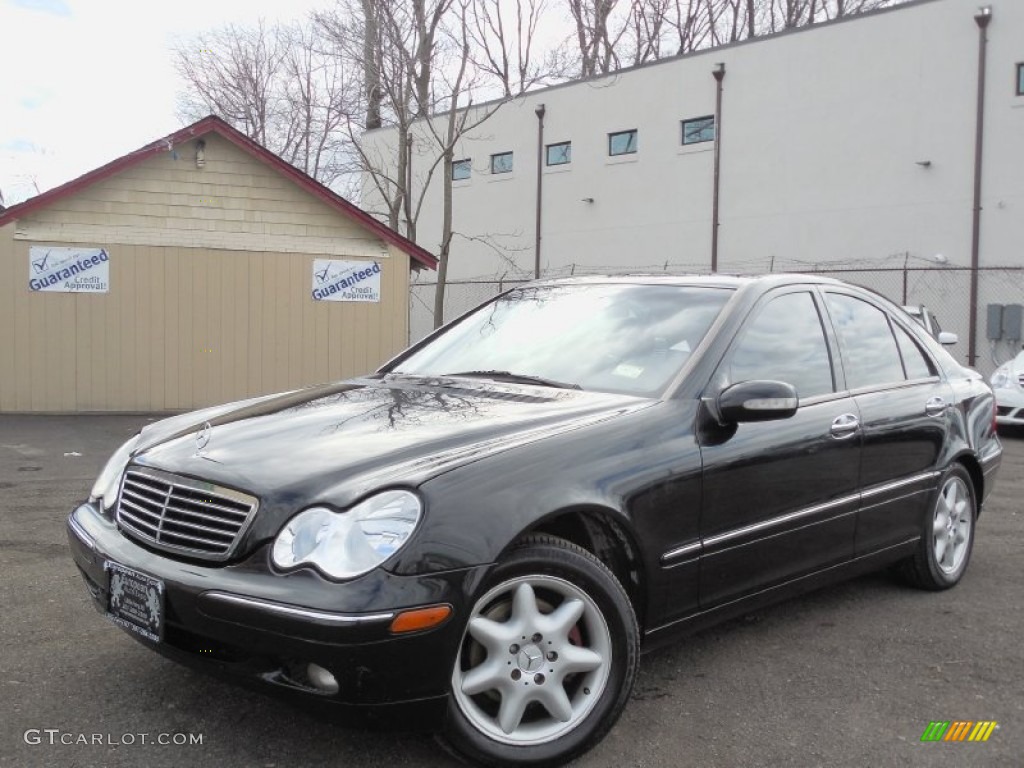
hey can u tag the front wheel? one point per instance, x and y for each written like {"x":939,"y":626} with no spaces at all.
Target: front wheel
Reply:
{"x":547,"y":661}
{"x":948,"y":535}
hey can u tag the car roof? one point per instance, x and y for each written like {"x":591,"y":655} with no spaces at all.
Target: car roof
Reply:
{"x":708,"y":281}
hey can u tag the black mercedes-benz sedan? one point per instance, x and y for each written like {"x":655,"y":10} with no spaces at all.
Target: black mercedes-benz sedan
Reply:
{"x":482,"y":536}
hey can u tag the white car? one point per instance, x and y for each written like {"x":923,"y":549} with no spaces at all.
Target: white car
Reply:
{"x":1008,"y":385}
{"x":927,"y":318}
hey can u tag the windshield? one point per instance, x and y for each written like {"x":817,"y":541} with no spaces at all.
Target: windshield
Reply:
{"x":606,"y":337}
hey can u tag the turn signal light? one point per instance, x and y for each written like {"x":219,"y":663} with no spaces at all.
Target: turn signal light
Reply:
{"x":420,"y":618}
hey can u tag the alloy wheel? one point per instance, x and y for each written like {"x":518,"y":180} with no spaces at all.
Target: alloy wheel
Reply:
{"x":952,"y":525}
{"x":535,"y":660}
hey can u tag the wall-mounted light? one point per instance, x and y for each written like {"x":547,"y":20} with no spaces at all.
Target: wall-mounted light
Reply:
{"x":200,"y":153}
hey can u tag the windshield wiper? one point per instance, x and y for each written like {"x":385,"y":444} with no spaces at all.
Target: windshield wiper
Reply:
{"x":517,"y":377}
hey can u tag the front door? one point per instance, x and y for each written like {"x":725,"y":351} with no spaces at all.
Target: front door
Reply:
{"x":779,"y":498}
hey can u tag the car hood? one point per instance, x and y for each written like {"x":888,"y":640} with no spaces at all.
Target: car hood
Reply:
{"x":336,"y":443}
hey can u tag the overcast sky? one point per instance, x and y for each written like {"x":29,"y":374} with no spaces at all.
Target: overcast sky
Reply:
{"x":83,"y":82}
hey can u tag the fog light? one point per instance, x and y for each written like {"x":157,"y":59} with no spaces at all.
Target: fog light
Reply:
{"x":321,"y":678}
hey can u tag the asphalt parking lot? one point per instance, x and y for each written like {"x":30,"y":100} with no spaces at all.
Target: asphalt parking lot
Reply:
{"x":849,"y":676}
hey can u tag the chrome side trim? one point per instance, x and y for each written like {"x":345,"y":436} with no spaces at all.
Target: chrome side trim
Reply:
{"x":80,"y":532}
{"x":673,"y":554}
{"x":738,"y":532}
{"x":808,"y":511}
{"x":840,"y":568}
{"x":899,"y":484}
{"x":325,"y":617}
{"x":992,"y":457}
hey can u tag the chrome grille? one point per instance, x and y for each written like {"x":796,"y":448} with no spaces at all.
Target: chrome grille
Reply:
{"x":1020,"y":380}
{"x":182,"y":514}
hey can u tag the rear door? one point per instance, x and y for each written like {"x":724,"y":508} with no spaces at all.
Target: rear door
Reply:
{"x":905,"y":417}
{"x":779,"y":498}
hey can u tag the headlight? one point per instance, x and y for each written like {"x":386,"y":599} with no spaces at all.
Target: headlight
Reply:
{"x":1001,"y":379}
{"x":105,"y":488}
{"x":347,"y":544}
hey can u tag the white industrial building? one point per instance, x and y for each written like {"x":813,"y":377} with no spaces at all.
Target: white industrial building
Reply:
{"x":852,"y":143}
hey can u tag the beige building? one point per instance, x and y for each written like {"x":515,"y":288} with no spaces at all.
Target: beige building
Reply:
{"x":199,"y":269}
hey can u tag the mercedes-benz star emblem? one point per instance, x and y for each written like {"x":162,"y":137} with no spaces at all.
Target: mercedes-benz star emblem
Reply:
{"x":203,"y":438}
{"x":530,"y":659}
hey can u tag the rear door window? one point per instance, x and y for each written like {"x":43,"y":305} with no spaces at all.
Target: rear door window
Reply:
{"x":870,"y":354}
{"x":915,"y":362}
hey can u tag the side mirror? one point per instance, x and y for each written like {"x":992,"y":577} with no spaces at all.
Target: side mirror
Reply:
{"x":947,"y":338}
{"x":757,"y":401}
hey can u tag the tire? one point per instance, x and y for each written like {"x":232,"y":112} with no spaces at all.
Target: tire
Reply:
{"x":547,"y":660}
{"x":947,"y":537}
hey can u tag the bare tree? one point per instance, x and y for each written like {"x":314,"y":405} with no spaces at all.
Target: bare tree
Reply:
{"x":690,"y":25}
{"x":458,"y":118}
{"x":276,"y":85}
{"x":503,"y":37}
{"x":597,"y":34}
{"x":396,"y":44}
{"x":648,"y":20}
{"x":742,"y":19}
{"x":839,"y":8}
{"x":231,"y":72}
{"x":318,"y":93}
{"x":372,"y":52}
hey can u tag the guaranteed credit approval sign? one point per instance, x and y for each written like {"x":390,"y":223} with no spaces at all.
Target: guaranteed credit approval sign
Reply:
{"x":68,"y":270}
{"x":346,"y":280}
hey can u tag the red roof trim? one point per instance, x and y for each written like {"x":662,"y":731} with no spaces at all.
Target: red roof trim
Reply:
{"x":213,"y":124}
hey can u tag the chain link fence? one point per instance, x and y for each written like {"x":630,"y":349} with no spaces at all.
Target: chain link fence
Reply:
{"x":943,"y":289}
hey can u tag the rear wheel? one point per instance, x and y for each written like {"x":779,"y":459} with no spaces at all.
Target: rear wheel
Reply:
{"x":547,"y":661}
{"x":948,"y":535}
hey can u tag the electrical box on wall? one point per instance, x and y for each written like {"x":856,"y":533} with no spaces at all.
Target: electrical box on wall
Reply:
{"x":1012,"y":322}
{"x":994,"y":326}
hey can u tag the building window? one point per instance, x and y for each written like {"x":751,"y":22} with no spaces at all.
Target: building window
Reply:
{"x":559,"y":154}
{"x":1020,"y":79}
{"x":699,"y":129}
{"x":622,"y":142}
{"x":501,"y":162}
{"x":461,"y":169}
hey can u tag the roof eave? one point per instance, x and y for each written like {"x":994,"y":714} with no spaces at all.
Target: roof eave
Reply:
{"x":213,"y":124}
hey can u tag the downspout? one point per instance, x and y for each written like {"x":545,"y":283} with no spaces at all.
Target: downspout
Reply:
{"x":539,"y":111}
{"x":982,"y":19}
{"x":719,"y":74}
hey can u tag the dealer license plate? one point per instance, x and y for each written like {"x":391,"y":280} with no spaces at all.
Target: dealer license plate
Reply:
{"x":136,"y":601}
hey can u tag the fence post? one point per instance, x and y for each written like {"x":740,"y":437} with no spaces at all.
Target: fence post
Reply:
{"x":906,"y":257}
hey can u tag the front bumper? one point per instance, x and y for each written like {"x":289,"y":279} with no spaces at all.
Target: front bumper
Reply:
{"x":1009,"y":407}
{"x":261,"y":628}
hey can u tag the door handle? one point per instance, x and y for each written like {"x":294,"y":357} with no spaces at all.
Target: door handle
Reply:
{"x":935,"y":406}
{"x":844,"y":426}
